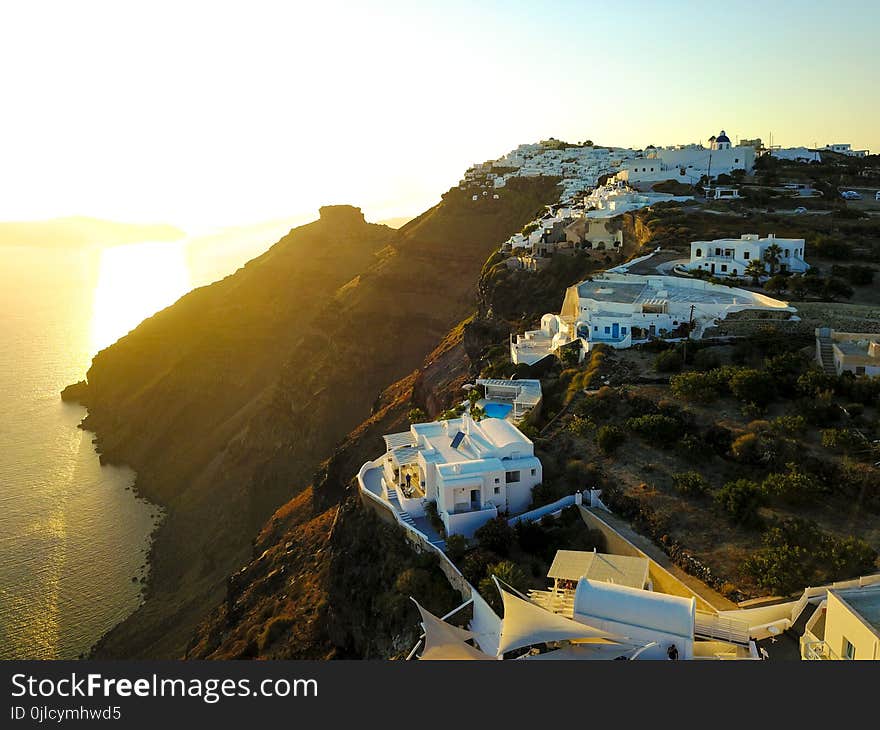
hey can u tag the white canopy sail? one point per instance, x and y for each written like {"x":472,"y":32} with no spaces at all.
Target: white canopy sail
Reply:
{"x":525,"y":623}
{"x":445,"y":641}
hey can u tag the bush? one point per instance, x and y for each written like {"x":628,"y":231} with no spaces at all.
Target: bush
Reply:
{"x":792,"y":486}
{"x":747,"y":448}
{"x":752,"y":386}
{"x":740,"y":501}
{"x":795,"y":553}
{"x":475,"y":564}
{"x":496,"y":536}
{"x":663,"y":430}
{"x":581,"y":426}
{"x":846,"y":440}
{"x":609,"y":439}
{"x":695,"y":386}
{"x":416,"y":415}
{"x":789,"y":425}
{"x":690,"y":483}
{"x":668,"y":362}
{"x":456,"y":547}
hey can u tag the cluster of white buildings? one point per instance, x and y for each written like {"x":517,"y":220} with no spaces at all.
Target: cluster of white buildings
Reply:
{"x":579,"y":166}
{"x":608,"y":610}
{"x":621,"y":309}
{"x":686,"y":163}
{"x":586,"y":224}
{"x":846,"y":149}
{"x":731,"y":256}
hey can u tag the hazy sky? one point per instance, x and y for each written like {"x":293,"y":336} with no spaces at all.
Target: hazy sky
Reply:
{"x":221,"y":113}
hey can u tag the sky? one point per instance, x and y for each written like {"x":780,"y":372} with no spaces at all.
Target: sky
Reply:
{"x":201,"y":114}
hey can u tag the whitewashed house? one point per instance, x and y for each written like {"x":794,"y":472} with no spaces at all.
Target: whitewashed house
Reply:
{"x":848,"y":352}
{"x":472,"y":470}
{"x":619,"y":310}
{"x":846,"y":149}
{"x":731,"y":256}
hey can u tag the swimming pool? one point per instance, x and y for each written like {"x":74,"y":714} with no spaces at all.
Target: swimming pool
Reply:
{"x":497,"y":410}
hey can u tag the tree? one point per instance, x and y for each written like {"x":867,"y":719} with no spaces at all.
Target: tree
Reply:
{"x":772,"y":255}
{"x":496,"y":535}
{"x":756,"y":270}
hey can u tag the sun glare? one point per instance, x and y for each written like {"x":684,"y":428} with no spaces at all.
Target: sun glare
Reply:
{"x":134,"y":282}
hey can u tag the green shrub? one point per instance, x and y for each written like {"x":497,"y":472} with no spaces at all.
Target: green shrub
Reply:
{"x":581,"y":426}
{"x":668,"y":362}
{"x":740,"y":501}
{"x":663,"y":430}
{"x":706,"y":359}
{"x":752,"y":386}
{"x":791,"y":486}
{"x":456,"y":547}
{"x":609,"y":439}
{"x":695,"y":386}
{"x":789,"y":425}
{"x":690,"y":483}
{"x":847,"y":440}
{"x":416,"y":415}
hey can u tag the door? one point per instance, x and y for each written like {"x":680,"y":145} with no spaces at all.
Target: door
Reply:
{"x":475,"y":499}
{"x":615,"y":331}
{"x":713,"y":268}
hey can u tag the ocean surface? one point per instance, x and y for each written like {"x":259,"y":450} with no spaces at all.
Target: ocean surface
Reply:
{"x":73,"y":536}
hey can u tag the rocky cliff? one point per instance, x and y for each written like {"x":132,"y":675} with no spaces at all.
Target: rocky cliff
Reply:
{"x":226,"y":402}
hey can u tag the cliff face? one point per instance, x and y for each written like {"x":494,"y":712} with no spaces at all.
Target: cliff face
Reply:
{"x":226,"y":402}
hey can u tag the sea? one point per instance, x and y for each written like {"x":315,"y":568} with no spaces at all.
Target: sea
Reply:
{"x":74,"y":537}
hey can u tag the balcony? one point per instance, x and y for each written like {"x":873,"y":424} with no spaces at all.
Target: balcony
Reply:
{"x":817,"y":650}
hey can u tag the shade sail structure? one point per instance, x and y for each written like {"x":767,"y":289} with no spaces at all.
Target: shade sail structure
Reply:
{"x":526,"y":623}
{"x":445,"y":641}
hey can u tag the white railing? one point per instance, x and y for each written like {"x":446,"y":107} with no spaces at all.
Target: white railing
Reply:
{"x":726,"y":628}
{"x":818,"y":650}
{"x":547,"y":509}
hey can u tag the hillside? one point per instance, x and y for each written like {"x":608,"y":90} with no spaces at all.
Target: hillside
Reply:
{"x":226,"y":402}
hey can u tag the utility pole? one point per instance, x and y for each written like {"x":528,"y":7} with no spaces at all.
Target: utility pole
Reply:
{"x":684,"y":357}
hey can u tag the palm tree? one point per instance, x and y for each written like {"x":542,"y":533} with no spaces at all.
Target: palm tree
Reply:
{"x":772,"y":255}
{"x":756,"y":270}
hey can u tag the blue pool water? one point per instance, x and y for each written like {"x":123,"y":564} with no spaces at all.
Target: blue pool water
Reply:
{"x":497,"y":410}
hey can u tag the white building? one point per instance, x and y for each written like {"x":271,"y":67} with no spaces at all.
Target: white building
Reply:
{"x":472,"y":470}
{"x":686,"y":163}
{"x":731,"y":256}
{"x":846,"y":149}
{"x":796,"y":154}
{"x":848,"y":352}
{"x":620,"y":310}
{"x":846,"y":625}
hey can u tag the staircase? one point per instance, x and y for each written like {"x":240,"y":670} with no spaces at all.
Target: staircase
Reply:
{"x":826,"y":354}
{"x":721,"y":628}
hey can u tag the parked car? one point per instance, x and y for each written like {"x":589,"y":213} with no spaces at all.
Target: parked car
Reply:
{"x":850,"y":195}
{"x":877,"y":195}
{"x":800,"y":210}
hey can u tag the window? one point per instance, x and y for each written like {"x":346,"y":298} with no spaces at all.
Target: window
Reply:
{"x":623,"y":330}
{"x":699,"y":253}
{"x":745,"y":255}
{"x":734,"y":272}
{"x":724,"y":267}
{"x":786,"y":252}
{"x":849,"y":651}
{"x":534,"y":471}
{"x":497,"y":490}
{"x":860,"y":369}
{"x":511,"y":477}
{"x":497,"y":480}
{"x":607,"y":330}
{"x":595,"y":328}
{"x":717,"y":251}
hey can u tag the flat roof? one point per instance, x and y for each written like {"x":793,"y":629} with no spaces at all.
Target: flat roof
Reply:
{"x":866,"y":603}
{"x":624,"y":570}
{"x":642,"y":292}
